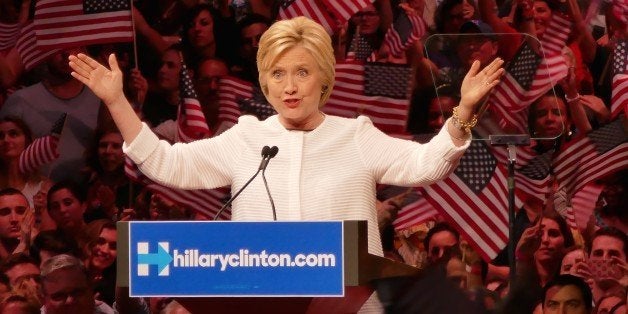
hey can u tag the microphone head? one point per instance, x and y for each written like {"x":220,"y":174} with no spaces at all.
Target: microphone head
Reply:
{"x":273,"y":151}
{"x":265,"y":151}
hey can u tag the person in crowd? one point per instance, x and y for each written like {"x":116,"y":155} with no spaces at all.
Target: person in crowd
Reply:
{"x":49,"y":243}
{"x":539,"y":254}
{"x":206,"y":81}
{"x":15,"y":136}
{"x":23,"y":273}
{"x":108,"y":186}
{"x":207,"y":34}
{"x":612,"y":202}
{"x":67,"y":288}
{"x":607,"y":265}
{"x":67,"y":203}
{"x":161,"y":207}
{"x":41,"y":105}
{"x":100,"y":261}
{"x":573,"y":256}
{"x":296,"y":65}
{"x":451,"y":14}
{"x":161,"y":103}
{"x":439,"y":240}
{"x":366,"y":29}
{"x":251,"y":28}
{"x":17,"y":303}
{"x":614,"y":303}
{"x":16,"y":222}
{"x":567,"y":294}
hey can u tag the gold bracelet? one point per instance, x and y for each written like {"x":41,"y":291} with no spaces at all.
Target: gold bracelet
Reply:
{"x":464,"y":126}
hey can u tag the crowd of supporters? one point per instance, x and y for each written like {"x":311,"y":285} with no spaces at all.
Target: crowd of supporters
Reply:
{"x":65,"y":182}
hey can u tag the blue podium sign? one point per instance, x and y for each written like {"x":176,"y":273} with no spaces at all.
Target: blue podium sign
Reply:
{"x":204,"y":259}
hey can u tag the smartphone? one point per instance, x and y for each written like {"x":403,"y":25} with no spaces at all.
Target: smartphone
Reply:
{"x":604,"y":269}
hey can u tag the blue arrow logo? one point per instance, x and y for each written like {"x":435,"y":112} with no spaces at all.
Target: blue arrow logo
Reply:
{"x":162,"y":259}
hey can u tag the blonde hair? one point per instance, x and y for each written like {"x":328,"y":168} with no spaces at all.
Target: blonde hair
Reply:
{"x":299,"y":31}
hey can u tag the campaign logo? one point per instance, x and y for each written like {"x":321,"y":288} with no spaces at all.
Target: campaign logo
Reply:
{"x":161,"y":259}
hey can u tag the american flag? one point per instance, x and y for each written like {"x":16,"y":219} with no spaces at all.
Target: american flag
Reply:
{"x":257,"y":105}
{"x":578,"y":208}
{"x":191,"y":123}
{"x":43,"y":150}
{"x":619,"y":97}
{"x":556,"y":34}
{"x":534,"y":177}
{"x":415,"y":213}
{"x":28,"y":49}
{"x":344,"y":9}
{"x":527,"y":77}
{"x":348,"y":99}
{"x":474,"y":199}
{"x":232,"y":92}
{"x":387,"y":79}
{"x":9,"y":34}
{"x":191,"y":126}
{"x":360,"y":49}
{"x":314,"y":9}
{"x":206,"y":202}
{"x":72,"y":23}
{"x":590,"y":157}
{"x":405,"y":30}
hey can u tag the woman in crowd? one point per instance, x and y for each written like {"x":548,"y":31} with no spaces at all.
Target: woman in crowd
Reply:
{"x":327,"y":167}
{"x":101,"y":253}
{"x":539,"y":255}
{"x":15,"y":136}
{"x":108,"y":186}
{"x":202,"y":40}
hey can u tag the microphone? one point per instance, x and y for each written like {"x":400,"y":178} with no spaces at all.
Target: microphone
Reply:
{"x":262,"y":166}
{"x":271,"y":153}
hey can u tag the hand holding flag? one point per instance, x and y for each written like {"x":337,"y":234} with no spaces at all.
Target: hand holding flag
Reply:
{"x":42,"y":150}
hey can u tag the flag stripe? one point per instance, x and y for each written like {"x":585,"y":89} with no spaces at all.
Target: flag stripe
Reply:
{"x":28,"y":49}
{"x":62,"y":23}
{"x":311,"y":9}
{"x":9,"y":33}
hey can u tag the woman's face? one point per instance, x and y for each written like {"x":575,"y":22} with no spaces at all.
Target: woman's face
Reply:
{"x":550,"y":117}
{"x":110,"y":153}
{"x":201,"y":33}
{"x":367,"y":20}
{"x":104,"y":251}
{"x":456,"y":16}
{"x":294,"y":89}
{"x":12,"y":140}
{"x":552,"y":241}
{"x":542,"y":16}
{"x":168,"y":76}
{"x":65,"y":209}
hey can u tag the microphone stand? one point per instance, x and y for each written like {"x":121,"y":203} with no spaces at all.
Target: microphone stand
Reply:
{"x":265,"y":158}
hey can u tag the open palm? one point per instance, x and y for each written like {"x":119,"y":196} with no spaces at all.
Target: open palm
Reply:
{"x":477,"y":84}
{"x":105,"y":83}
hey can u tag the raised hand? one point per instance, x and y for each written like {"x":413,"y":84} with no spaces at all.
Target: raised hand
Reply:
{"x":105,"y":83}
{"x":478,"y":83}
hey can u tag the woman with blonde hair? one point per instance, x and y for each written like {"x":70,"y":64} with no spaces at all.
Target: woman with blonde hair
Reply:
{"x":327,"y":167}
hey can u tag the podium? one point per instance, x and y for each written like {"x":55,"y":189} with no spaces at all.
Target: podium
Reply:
{"x":361,"y":270}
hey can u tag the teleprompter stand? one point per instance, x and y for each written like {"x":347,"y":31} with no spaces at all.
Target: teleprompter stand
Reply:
{"x":511,"y":141}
